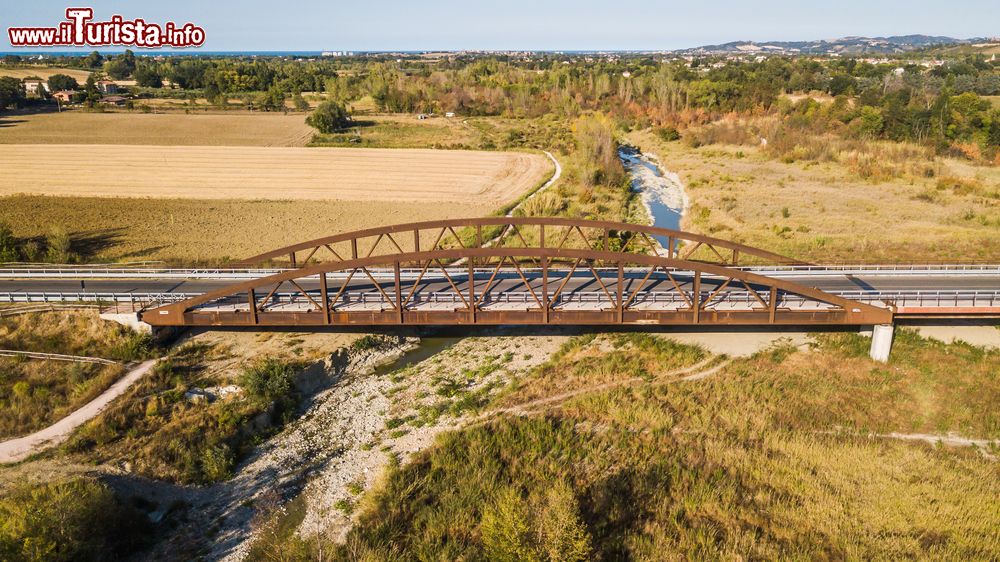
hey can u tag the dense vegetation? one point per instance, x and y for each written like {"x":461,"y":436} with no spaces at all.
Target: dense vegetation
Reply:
{"x":35,"y":393}
{"x":772,"y":458}
{"x":898,"y":100}
{"x":69,"y":521}
{"x":163,"y":432}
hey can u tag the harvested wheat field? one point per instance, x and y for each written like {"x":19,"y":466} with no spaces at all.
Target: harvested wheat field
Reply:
{"x":44,"y":73}
{"x":236,"y":128}
{"x":345,"y":174}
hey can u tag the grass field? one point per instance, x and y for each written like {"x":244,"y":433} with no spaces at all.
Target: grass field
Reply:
{"x":186,"y":230}
{"x":179,"y":129}
{"x":773,"y":458}
{"x":464,"y":177}
{"x":44,"y":72}
{"x":212,"y":202}
{"x":35,"y":393}
{"x":927,"y":208}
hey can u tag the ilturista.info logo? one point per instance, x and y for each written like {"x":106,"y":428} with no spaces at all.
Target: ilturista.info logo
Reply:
{"x":80,"y":30}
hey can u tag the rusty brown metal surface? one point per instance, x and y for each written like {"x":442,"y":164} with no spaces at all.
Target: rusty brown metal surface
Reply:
{"x":406,"y":238}
{"x":561,"y":261}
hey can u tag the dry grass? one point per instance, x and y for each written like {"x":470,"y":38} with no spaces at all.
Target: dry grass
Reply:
{"x":465,"y":177}
{"x":404,"y":131}
{"x":162,"y":435}
{"x":209,"y":129}
{"x":206,"y":231}
{"x":823,"y":208}
{"x":34,"y":393}
{"x":747,"y":464}
{"x":44,"y":72}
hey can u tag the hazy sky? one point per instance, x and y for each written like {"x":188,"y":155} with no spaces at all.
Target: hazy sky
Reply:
{"x":524,"y":24}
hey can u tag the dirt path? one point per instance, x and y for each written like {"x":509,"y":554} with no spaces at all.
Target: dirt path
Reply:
{"x":21,"y":448}
{"x":555,"y":177}
{"x":948,"y":440}
{"x":691,"y":373}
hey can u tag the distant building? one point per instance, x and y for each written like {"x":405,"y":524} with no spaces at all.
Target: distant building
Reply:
{"x":107,"y":87}
{"x":33,"y":85}
{"x":449,"y":114}
{"x":64,"y":96}
{"x":113,"y":100}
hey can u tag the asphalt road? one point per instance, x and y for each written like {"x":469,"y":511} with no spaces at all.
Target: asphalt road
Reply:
{"x":581,"y":281}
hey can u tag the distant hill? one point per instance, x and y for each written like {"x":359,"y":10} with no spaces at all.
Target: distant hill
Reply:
{"x":844,"y":45}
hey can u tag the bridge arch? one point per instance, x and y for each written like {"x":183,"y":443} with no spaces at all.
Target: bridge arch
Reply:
{"x":539,"y":232}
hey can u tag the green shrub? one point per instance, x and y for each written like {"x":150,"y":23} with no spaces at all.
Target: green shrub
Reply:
{"x":668,"y":134}
{"x":330,"y":116}
{"x":366,"y":343}
{"x":77,"y":520}
{"x":269,"y":380}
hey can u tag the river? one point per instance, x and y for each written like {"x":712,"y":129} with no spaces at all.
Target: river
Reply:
{"x":662,"y":193}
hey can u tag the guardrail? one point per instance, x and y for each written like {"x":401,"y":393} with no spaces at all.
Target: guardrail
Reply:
{"x":897,"y":297}
{"x":132,"y":298}
{"x":906,"y":297}
{"x":66,"y":272}
{"x":56,"y":357}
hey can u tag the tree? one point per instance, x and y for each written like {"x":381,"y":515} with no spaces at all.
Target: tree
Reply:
{"x":60,"y":246}
{"x":329,"y":117}
{"x":11,"y":92}
{"x":93,"y":60}
{"x":74,"y":520}
{"x":868,"y":124}
{"x":213,"y":95}
{"x":8,"y":244}
{"x":59,"y":82}
{"x":271,"y":100}
{"x":148,"y":77}
{"x":300,"y":102}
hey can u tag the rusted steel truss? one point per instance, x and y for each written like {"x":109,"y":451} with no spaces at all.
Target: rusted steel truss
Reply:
{"x":546,"y":284}
{"x":519,"y":232}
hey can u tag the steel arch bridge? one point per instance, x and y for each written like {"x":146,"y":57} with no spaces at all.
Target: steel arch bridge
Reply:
{"x":516,"y":270}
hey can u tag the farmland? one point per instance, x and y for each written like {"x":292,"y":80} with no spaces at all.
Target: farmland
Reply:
{"x":471,"y":178}
{"x":198,"y":231}
{"x":178,"y":129}
{"x":44,"y":72}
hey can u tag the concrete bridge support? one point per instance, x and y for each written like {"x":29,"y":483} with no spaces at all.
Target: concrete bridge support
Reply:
{"x":132,"y":320}
{"x":881,"y":342}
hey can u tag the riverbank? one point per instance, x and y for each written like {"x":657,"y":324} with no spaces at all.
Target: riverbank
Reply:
{"x":660,"y":190}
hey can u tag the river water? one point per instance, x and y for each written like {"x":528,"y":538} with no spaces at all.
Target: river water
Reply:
{"x":662,"y":193}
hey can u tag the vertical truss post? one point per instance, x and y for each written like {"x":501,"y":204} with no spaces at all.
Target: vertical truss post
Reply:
{"x":472,"y":292}
{"x":291,"y":258}
{"x":354,"y":248}
{"x":736,"y":256}
{"x":399,"y":293}
{"x":252,"y":297}
{"x":621,"y":293}
{"x":325,"y":295}
{"x":671,"y":244}
{"x":479,"y":235}
{"x":416,"y":240}
{"x":696,"y":300}
{"x":545,"y":288}
{"x":541,"y":236}
{"x":772,"y":305}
